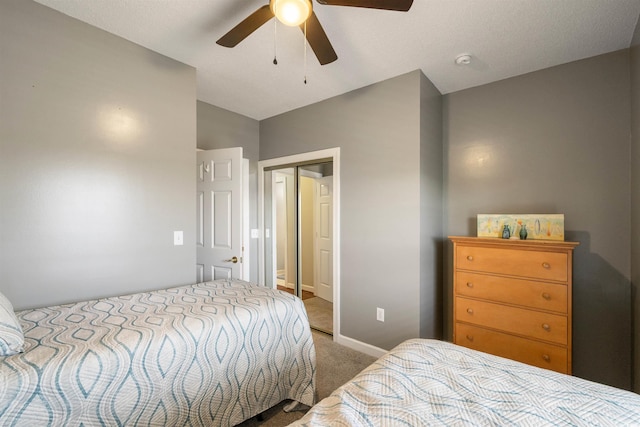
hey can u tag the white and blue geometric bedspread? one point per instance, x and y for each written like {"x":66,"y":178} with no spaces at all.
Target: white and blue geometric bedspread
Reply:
{"x":213,"y":353}
{"x":435,"y":383}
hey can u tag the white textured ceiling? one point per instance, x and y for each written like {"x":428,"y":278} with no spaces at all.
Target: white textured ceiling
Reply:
{"x":505,"y":38}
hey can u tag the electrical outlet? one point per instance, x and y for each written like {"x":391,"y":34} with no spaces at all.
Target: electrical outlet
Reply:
{"x":380,"y":314}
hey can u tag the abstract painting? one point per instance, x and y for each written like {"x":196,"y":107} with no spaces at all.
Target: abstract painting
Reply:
{"x":538,"y":226}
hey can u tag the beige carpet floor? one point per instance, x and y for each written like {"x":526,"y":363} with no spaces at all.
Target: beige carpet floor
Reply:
{"x":320,"y":313}
{"x":336,"y":364}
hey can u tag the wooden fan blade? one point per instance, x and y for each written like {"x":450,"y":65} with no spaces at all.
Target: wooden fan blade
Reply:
{"x":399,"y":5}
{"x":319,"y":41}
{"x":246,"y":27}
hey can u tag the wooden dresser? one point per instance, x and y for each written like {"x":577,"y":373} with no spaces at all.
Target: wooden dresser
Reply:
{"x":512,"y":298}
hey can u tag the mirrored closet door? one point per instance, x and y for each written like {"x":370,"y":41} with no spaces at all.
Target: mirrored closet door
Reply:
{"x":298,"y":214}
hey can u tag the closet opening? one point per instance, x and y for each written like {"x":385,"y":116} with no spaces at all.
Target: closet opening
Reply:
{"x":298,"y":225}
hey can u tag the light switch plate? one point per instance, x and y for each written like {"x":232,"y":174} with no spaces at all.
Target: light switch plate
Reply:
{"x":178,"y":238}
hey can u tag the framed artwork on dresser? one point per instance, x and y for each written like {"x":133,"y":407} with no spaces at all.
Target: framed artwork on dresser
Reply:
{"x":538,"y":226}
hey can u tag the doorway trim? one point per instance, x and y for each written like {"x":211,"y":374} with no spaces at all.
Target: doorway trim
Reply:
{"x":334,"y":155}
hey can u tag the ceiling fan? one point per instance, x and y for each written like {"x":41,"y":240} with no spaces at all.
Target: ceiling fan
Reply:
{"x":296,"y":13}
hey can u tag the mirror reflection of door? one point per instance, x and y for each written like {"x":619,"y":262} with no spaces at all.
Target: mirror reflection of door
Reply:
{"x":302,"y":208}
{"x":284,"y":227}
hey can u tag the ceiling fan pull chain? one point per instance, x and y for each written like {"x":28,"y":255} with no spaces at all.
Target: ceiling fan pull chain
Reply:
{"x":305,"y":52}
{"x":275,"y":39}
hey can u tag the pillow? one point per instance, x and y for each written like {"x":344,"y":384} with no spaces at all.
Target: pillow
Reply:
{"x":11,"y":336}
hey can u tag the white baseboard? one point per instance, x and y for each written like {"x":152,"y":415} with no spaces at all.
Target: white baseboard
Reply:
{"x":360,"y":346}
{"x":281,"y":282}
{"x":289,"y":285}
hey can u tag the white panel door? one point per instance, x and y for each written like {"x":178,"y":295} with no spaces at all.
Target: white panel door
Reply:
{"x":219,"y":211}
{"x":324,"y":238}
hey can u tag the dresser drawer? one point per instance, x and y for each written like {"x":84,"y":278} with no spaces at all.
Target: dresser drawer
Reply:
{"x":514,"y":262}
{"x":535,"y":353}
{"x":530,"y":323}
{"x":527,"y":293}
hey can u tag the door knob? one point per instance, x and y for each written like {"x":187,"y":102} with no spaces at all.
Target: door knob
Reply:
{"x":233,"y":260}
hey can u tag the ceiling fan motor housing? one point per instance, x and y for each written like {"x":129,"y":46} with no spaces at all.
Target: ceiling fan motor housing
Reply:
{"x":291,"y":12}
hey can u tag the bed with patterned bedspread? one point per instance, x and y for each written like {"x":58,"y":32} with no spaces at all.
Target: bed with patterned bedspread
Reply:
{"x":435,"y":383}
{"x":214,"y":353}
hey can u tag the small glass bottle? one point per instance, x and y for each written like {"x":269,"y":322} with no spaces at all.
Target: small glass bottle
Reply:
{"x":523,"y":232}
{"x":506,"y":233}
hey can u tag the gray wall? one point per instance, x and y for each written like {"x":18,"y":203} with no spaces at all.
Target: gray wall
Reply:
{"x":635,"y":200}
{"x":378,"y":129}
{"x":555,"y":141}
{"x":431,"y":207}
{"x":220,"y":128}
{"x":97,"y":153}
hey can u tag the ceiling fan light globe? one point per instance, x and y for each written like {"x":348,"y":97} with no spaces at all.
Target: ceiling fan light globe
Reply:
{"x":291,"y":12}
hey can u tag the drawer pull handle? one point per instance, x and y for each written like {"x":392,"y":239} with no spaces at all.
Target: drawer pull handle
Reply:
{"x":546,"y":296}
{"x":546,"y":265}
{"x":546,"y":357}
{"x":469,"y":285}
{"x":546,"y":327}
{"x":470,"y":338}
{"x":470,"y":310}
{"x":469,"y":257}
